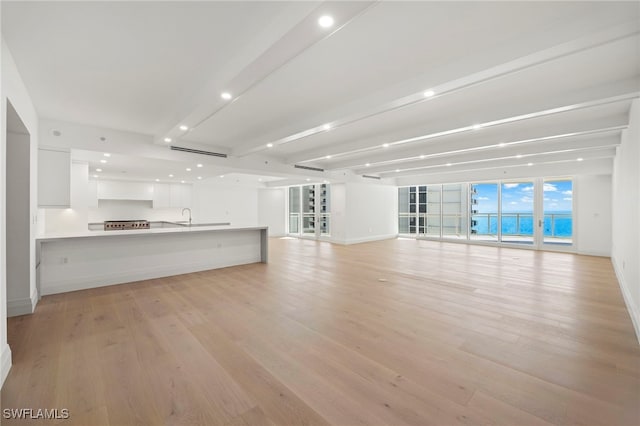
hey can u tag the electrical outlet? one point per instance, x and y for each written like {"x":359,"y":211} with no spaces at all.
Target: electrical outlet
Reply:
{"x":64,"y":260}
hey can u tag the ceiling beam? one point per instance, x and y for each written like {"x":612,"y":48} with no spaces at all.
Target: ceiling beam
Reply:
{"x":363,"y":146}
{"x":453,"y":86}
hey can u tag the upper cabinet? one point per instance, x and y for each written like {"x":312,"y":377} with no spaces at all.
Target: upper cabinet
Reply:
{"x":122,"y":190}
{"x":54,"y":178}
{"x":171,"y":195}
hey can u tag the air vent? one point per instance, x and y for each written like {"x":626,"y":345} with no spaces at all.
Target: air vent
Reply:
{"x":315,"y":169}
{"x":197,"y":151}
{"x":371,"y":177}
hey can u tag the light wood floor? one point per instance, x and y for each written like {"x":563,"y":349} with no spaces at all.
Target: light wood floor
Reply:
{"x":394,"y":332}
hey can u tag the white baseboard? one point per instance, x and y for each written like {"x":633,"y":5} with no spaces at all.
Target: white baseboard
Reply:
{"x":594,"y":253}
{"x":634,"y":312}
{"x":5,"y":363}
{"x":24,"y":306}
{"x":106,"y":279}
{"x":365,"y":239}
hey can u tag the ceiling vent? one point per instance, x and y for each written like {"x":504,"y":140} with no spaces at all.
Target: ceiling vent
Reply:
{"x":315,"y":169}
{"x":371,"y":177}
{"x":197,"y":151}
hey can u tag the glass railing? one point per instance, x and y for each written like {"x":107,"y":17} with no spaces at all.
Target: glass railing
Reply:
{"x":556,"y":225}
{"x":307,"y":222}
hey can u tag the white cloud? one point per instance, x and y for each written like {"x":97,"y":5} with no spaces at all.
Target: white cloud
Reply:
{"x":527,"y":188}
{"x":513,"y":203}
{"x":568,"y":199}
{"x":549,"y":187}
{"x":526,"y":199}
{"x":554,"y":204}
{"x":511,"y":185}
{"x":547,"y":199}
{"x":483,"y":198}
{"x":569,"y":192}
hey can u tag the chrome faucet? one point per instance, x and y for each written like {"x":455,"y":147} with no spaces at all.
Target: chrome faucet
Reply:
{"x":189,"y":210}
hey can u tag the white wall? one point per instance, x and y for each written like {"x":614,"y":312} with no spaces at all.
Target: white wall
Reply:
{"x":216,"y":203}
{"x":626,"y":215}
{"x":18,"y":225}
{"x":272,"y":210}
{"x":12,"y":88}
{"x":593,"y":214}
{"x":372,"y":212}
{"x":74,"y":218}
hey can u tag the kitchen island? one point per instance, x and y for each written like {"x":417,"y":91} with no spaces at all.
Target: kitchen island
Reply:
{"x":88,"y":259}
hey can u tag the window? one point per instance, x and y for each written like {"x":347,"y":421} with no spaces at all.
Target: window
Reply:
{"x":484,"y":211}
{"x":310,"y":210}
{"x":454,"y":211}
{"x":558,"y":212}
{"x":517,"y":212}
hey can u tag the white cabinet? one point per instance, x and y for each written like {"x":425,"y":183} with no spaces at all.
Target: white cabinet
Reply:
{"x":121,"y":190}
{"x":54,"y":178}
{"x":180,"y":195}
{"x":92,"y":200}
{"x":161,"y":195}
{"x":171,"y":195}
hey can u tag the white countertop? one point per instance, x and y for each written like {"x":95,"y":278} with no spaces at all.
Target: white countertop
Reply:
{"x":181,"y":230}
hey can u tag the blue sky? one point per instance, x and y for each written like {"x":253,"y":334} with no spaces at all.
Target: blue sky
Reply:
{"x":518,"y":197}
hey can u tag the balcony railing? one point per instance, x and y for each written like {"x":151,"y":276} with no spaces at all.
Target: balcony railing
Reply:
{"x":556,"y":225}
{"x":306,"y":222}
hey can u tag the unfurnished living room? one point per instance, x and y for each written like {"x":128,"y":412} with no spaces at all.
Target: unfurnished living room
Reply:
{"x":320,"y":213}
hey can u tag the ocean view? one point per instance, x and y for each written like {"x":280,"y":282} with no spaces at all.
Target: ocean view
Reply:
{"x":556,"y":224}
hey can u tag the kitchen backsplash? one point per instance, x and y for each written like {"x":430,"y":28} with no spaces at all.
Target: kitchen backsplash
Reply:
{"x":132,"y":210}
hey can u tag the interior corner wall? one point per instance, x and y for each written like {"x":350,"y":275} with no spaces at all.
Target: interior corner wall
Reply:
{"x":625,"y":252}
{"x":12,"y":89}
{"x":272,"y":210}
{"x":592,"y":194}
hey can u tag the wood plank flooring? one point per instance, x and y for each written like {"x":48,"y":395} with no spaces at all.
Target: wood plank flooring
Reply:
{"x":397,"y":332}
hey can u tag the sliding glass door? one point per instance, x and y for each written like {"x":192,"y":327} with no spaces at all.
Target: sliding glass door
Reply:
{"x":516,"y":213}
{"x":484,"y":211}
{"x":558,"y":213}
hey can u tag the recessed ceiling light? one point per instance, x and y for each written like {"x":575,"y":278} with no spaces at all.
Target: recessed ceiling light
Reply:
{"x":170,"y":175}
{"x":448,"y":164}
{"x":225,"y":95}
{"x":106,"y":154}
{"x":56,"y":132}
{"x":308,"y":179}
{"x":98,"y":170}
{"x":328,"y":157}
{"x":221,"y":176}
{"x":501,"y":144}
{"x":429,"y":93}
{"x":183,"y":127}
{"x":269,"y":145}
{"x":157,"y":180}
{"x":199,"y":177}
{"x":385,"y":145}
{"x":422,"y":157}
{"x":519,"y":156}
{"x":325,"y":181}
{"x":259,"y":179}
{"x":397,"y":170}
{"x":103,"y":161}
{"x":476,"y":126}
{"x":188,"y":169}
{"x":181,"y":181}
{"x":580,"y":159}
{"x":325,"y":21}
{"x":367,"y":165}
{"x":529,"y":164}
{"x":167,"y":140}
{"x":95,"y":176}
{"x":198,"y":165}
{"x":327,"y":126}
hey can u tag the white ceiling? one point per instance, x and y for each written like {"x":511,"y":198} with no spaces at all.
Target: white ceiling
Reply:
{"x":532,"y":70}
